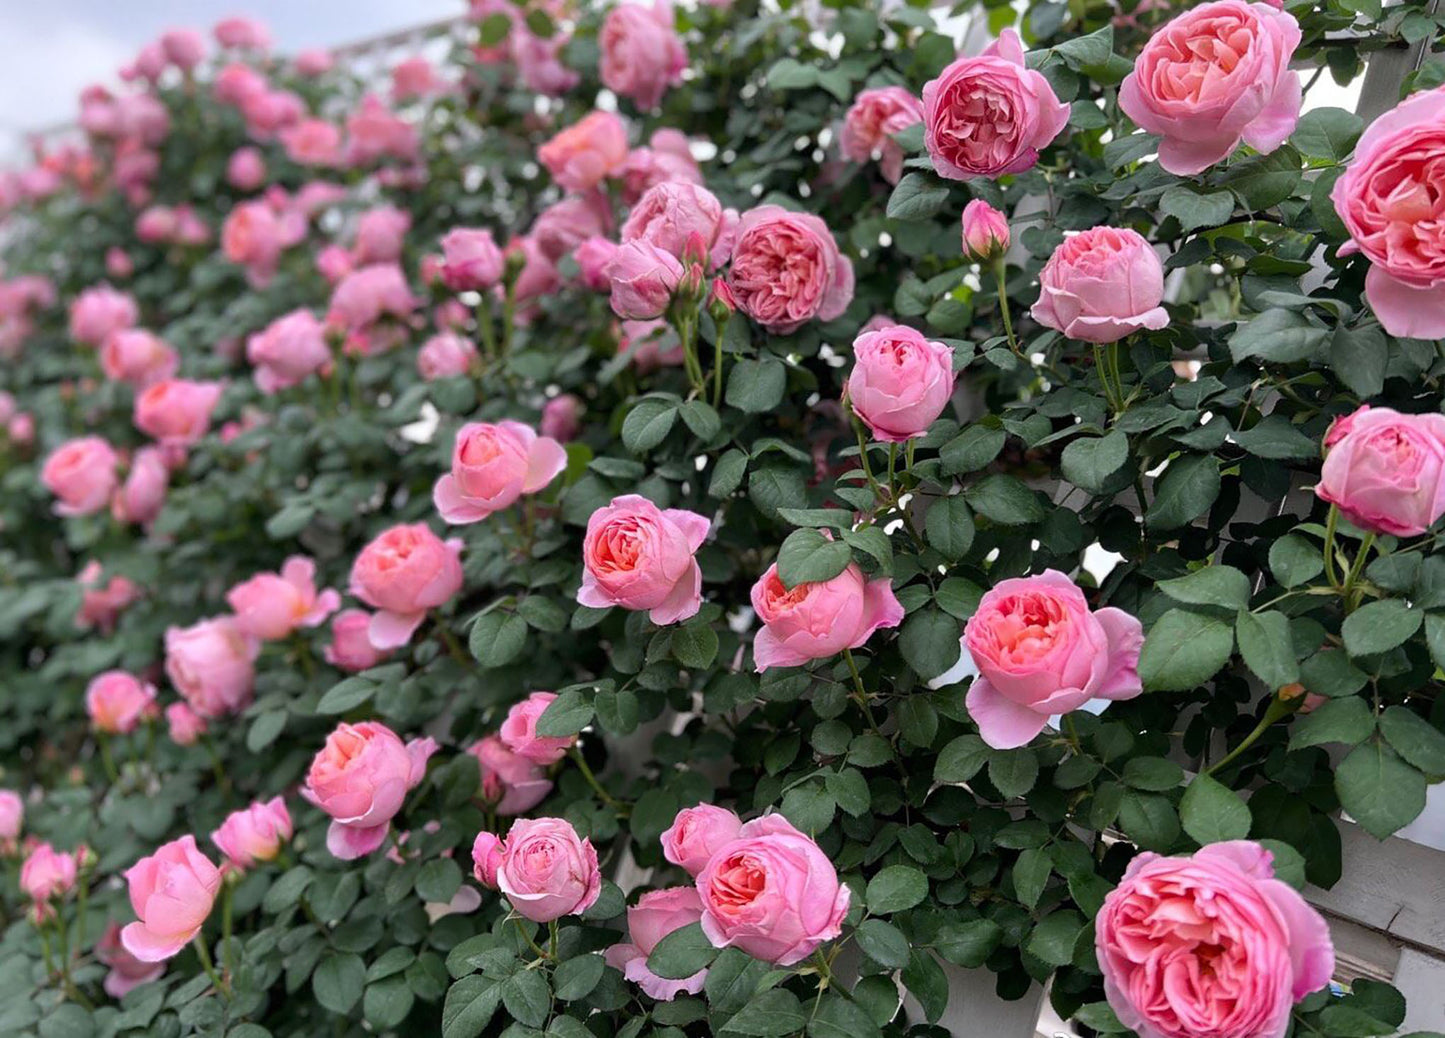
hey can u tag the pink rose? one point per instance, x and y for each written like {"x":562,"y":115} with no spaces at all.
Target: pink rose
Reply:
{"x":657,"y":914}
{"x":642,"y":54}
{"x":787,"y":270}
{"x":638,"y":556}
{"x":1040,"y":652}
{"x":900,"y":382}
{"x":211,"y":664}
{"x":126,"y":971}
{"x":360,"y":778}
{"x":667,"y":158}
{"x":351,"y":648}
{"x":1211,"y":944}
{"x":156,"y":224}
{"x":236,"y":82}
{"x":1101,"y":285}
{"x":82,"y":474}
{"x":593,"y":257}
{"x":872,"y":120}
{"x":985,"y":232}
{"x":1383,"y":470}
{"x":486,"y":859}
{"x":312,"y":142}
{"x":402,"y":573}
{"x":12,"y":817}
{"x":143,"y":495}
{"x":584,"y":154}
{"x":547,"y":871}
{"x":117,"y":702}
{"x":184,"y":725}
{"x":242,"y":34}
{"x":374,"y":131}
{"x":334,"y":263}
{"x":254,"y":834}
{"x":511,"y":783}
{"x":773,"y":893}
{"x":685,"y":220}
{"x":519,"y":731}
{"x":989,"y":115}
{"x":314,"y":62}
{"x":562,"y":417}
{"x":183,"y":48}
{"x":246,"y":169}
{"x":696,"y":834}
{"x":538,"y":277}
{"x":365,"y":296}
{"x":137,"y":356}
{"x":254,"y":236}
{"x":643,"y":277}
{"x":118,"y":263}
{"x":818,"y":620}
{"x":380,"y":235}
{"x":415,"y":77}
{"x":563,"y":226}
{"x":1214,"y":75}
{"x":98,"y":311}
{"x":172,"y":892}
{"x":447,"y":355}
{"x":472,"y":259}
{"x":101,"y":605}
{"x":492,"y":466}
{"x":47,"y":873}
{"x":177,"y":411}
{"x":270,"y":606}
{"x":288,"y":351}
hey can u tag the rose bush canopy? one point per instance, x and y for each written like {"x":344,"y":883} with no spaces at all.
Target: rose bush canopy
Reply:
{"x":647,"y":523}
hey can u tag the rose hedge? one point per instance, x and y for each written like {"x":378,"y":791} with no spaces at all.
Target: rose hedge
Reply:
{"x":657,"y":517}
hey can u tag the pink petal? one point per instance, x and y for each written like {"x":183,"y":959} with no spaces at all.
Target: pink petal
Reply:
{"x":1003,"y":724}
{"x":1272,"y":127}
{"x":454,"y":508}
{"x":1411,"y":311}
{"x":1126,"y":639}
{"x":545,"y":459}
{"x":389,"y":630}
{"x":682,"y":602}
{"x":151,"y":947}
{"x":694,"y":527}
{"x":349,"y":842}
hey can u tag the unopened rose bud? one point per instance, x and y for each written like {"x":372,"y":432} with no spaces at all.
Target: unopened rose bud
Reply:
{"x":985,"y":232}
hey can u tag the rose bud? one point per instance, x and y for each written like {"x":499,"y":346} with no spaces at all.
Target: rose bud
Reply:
{"x":185,"y":725}
{"x":644,"y":279}
{"x":900,"y":382}
{"x":172,"y":892}
{"x":350,"y":648}
{"x":447,"y":355}
{"x":511,"y":783}
{"x":562,"y":417}
{"x":696,"y":834}
{"x":547,"y":871}
{"x":82,"y":474}
{"x":177,"y":411}
{"x":486,"y":859}
{"x":138,"y":357}
{"x":47,"y":873}
{"x":254,"y":834}
{"x":1101,"y":285}
{"x":117,"y":702}
{"x":985,"y":232}
{"x":472,"y":260}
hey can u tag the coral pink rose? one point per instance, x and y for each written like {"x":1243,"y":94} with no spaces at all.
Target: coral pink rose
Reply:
{"x":685,"y":220}
{"x":1385,"y":471}
{"x":872,"y":120}
{"x":255,"y":235}
{"x":184,"y":725}
{"x":644,"y":278}
{"x":242,"y":34}
{"x":989,"y":115}
{"x":696,"y":834}
{"x":787,"y":270}
{"x":773,"y":893}
{"x":471,"y":259}
{"x":172,"y":892}
{"x":1101,"y":285}
{"x":137,"y":356}
{"x":985,"y":232}
{"x":511,"y":783}
{"x":447,"y":355}
{"x":312,"y":142}
{"x":380,"y":235}
{"x":547,"y":871}
{"x":816,"y":620}
{"x":254,"y":833}
{"x":365,"y":296}
{"x":486,"y":859}
{"x":593,"y":257}
{"x":117,"y":702}
{"x":1214,"y":75}
{"x":642,"y":54}
{"x":657,"y":914}
{"x":1211,"y":944}
{"x":246,"y":169}
{"x":1392,"y":200}
{"x":360,"y":778}
{"x":12,"y":817}
{"x":47,"y":873}
{"x":143,"y":494}
{"x":563,"y":226}
{"x":584,"y":154}
{"x":900,"y":382}
{"x":82,"y":474}
{"x":98,"y":311}
{"x":126,"y":971}
{"x":519,"y":731}
{"x":177,"y":411}
{"x":350,"y":648}
{"x":211,"y":664}
{"x":270,"y":606}
{"x":492,"y":466}
{"x":1040,"y":652}
{"x":236,"y":82}
{"x":402,"y":573}
{"x":638,"y":556}
{"x":562,"y":417}
{"x":288,"y":350}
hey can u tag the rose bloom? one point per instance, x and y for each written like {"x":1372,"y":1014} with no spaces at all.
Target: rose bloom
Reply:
{"x":270,"y":606}
{"x":254,"y":236}
{"x":98,"y":311}
{"x":82,"y":474}
{"x":486,"y":859}
{"x":584,"y":154}
{"x":211,"y":664}
{"x":156,"y":224}
{"x":696,"y":834}
{"x":246,"y":169}
{"x":313,"y":62}
{"x":642,"y":54}
{"x":771,"y":892}
{"x":657,"y":914}
{"x":1392,"y":200}
{"x":402,"y":573}
{"x":666,"y":159}
{"x":900,"y":382}
{"x":685,"y":220}
{"x":492,"y":466}
{"x":415,"y":77}
{"x":380,"y":235}
{"x":816,"y":620}
{"x":236,"y":82}
{"x":117,"y":702}
{"x":12,"y":817}
{"x":126,"y":971}
{"x":563,"y":226}
{"x":177,"y":411}
{"x":254,"y":834}
{"x":242,"y":34}
{"x":594,"y":256}
{"x":288,"y":351}
{"x":638,"y":556}
{"x":547,"y":871}
{"x":143,"y":494}
{"x":312,"y":142}
{"x":360,"y":778}
{"x":374,"y":131}
{"x":518,"y":731}
{"x":538,"y":277}
{"x":350,"y":648}
{"x":1385,"y":471}
{"x":511,"y":783}
{"x":644,"y":278}
{"x":471,"y":259}
{"x":1214,"y":75}
{"x":787,"y":270}
{"x":1101,"y":285}
{"x":365,"y":296}
{"x":184,"y":725}
{"x":1211,"y":944}
{"x":138,"y":357}
{"x":47,"y":873}
{"x":117,"y":263}
{"x":101,"y":605}
{"x":539,"y":61}
{"x":989,"y":115}
{"x":1041,"y":651}
{"x":562,"y":417}
{"x":183,"y":48}
{"x":872,"y":120}
{"x":334,"y":263}
{"x":172,"y":892}
{"x":447,"y":355}
{"x":985,"y":232}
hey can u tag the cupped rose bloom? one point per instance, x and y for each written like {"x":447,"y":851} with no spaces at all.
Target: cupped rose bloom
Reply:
{"x":985,"y":232}
{"x":246,"y":169}
{"x":1041,"y":651}
{"x":447,"y":355}
{"x":289,"y":350}
{"x":102,"y":603}
{"x":313,"y":62}
{"x":254,"y":833}
{"x":47,"y":873}
{"x":374,"y":131}
{"x":365,"y":296}
{"x":642,"y":55}
{"x":183,"y":48}
{"x":350,"y":648}
{"x":236,"y":82}
{"x":493,"y":466}
{"x":562,"y":417}
{"x":184,"y":725}
{"x":900,"y":382}
{"x":117,"y":702}
{"x":657,"y":914}
{"x":270,"y":606}
{"x":172,"y":892}
{"x":667,"y":158}
{"x":683,"y":219}
{"x":787,"y":270}
{"x":1208,"y":945}
{"x":254,"y":235}
{"x":547,"y":871}
{"x":589,"y":151}
{"x":12,"y":817}
{"x":100,"y":310}
{"x":1392,"y":200}
{"x":1213,"y":76}
{"x":471,"y":259}
{"x":989,"y":115}
{"x":82,"y":474}
{"x":771,"y":892}
{"x":334,"y":263}
{"x":486,"y":859}
{"x":156,"y":224}
{"x":360,"y":778}
{"x":563,"y":226}
{"x":212,"y":665}
{"x":126,"y":971}
{"x":177,"y":411}
{"x":1385,"y":471}
{"x":118,"y":263}
{"x":242,"y":34}
{"x":696,"y":834}
{"x":518,"y":731}
{"x":402,"y":573}
{"x":638,"y":556}
{"x":138,"y":357}
{"x":816,"y":620}
{"x":312,"y":142}
{"x":511,"y":783}
{"x":143,"y":494}
{"x":538,"y":277}
{"x":872,"y":120}
{"x":416,"y":77}
{"x":643,"y":278}
{"x":1101,"y":285}
{"x":380,"y":235}
{"x":593,"y":257}
{"x":271,"y":111}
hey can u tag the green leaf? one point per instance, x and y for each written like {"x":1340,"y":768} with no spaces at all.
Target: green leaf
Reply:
{"x":1379,"y":790}
{"x":681,"y":953}
{"x":1184,"y":492}
{"x":1294,"y":560}
{"x":648,"y":424}
{"x":1194,"y":210}
{"x":1212,"y":585}
{"x":896,"y":888}
{"x":1082,"y":52}
{"x":526,"y":997}
{"x":1327,"y":133}
{"x":727,"y":474}
{"x":1359,"y":357}
{"x":1348,"y":721}
{"x":1004,"y":500}
{"x":808,"y":557}
{"x":971,"y":450}
{"x":345,"y":695}
{"x":566,"y":715}
{"x":386,"y":1003}
{"x":930,"y":642}
{"x":791,"y":74}
{"x":773,"y":1013}
{"x":497,"y":638}
{"x":1278,"y":336}
{"x":699,"y":416}
{"x":1275,"y":438}
{"x":1183,"y":650}
{"x":968,"y":944}
{"x":883,"y":943}
{"x":1267,"y":648}
{"x":836,"y":1017}
{"x":961,"y":759}
{"x":1030,"y":875}
{"x":266,"y":727}
{"x":1052,"y":940}
{"x":1088,"y":462}
{"x":1150,"y":820}
{"x":918,"y":196}
{"x":1266,"y":180}
{"x":1415,"y":739}
{"x":695,"y":645}
{"x":1379,"y":626}
{"x":438,"y":880}
{"x":949,"y":526}
{"x":1211,"y":812}
{"x":1154,"y":774}
{"x":338,"y":981}
{"x":1013,"y":772}
{"x":755,"y":386}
